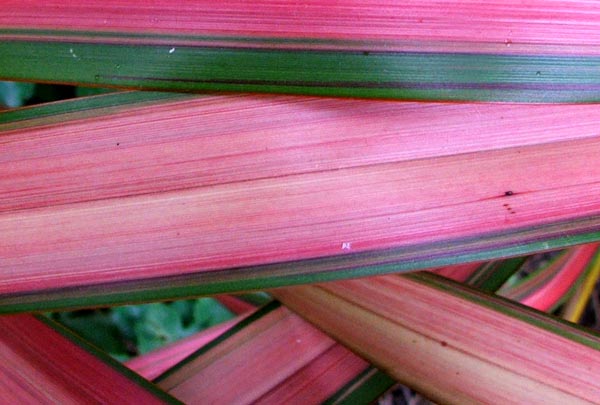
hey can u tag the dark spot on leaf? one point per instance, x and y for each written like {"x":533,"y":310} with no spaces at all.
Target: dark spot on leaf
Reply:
{"x":508,"y":193}
{"x":366,"y":53}
{"x":118,"y":143}
{"x":443,"y":343}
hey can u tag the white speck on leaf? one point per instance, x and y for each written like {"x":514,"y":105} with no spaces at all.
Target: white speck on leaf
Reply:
{"x":72,"y":52}
{"x":171,"y":50}
{"x":346,"y":246}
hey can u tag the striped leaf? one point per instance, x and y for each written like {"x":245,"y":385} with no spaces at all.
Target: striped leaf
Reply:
{"x":541,"y":51}
{"x":118,"y":199}
{"x":151,"y":365}
{"x":272,"y":357}
{"x":41,"y":362}
{"x":545,"y":288}
{"x":455,"y":344}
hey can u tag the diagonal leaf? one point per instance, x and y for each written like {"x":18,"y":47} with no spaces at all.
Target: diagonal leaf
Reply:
{"x":459,"y":272}
{"x":492,"y":275}
{"x":455,"y":344}
{"x":509,"y":51}
{"x":575,"y":306}
{"x":548,"y":285}
{"x":311,"y":384}
{"x":153,"y":364}
{"x":44,"y":363}
{"x":215,"y":194}
{"x":272,"y":357}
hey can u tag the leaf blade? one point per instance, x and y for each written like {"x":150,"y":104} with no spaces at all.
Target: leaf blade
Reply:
{"x":391,"y":326}
{"x":414,"y":51}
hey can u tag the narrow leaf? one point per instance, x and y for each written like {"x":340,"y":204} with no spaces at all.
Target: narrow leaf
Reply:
{"x":548,"y":285}
{"x":575,"y":306}
{"x":492,"y":275}
{"x":542,"y":51}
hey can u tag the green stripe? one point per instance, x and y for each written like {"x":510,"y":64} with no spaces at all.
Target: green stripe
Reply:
{"x":105,"y":358}
{"x":365,"y":388}
{"x":86,"y":107}
{"x":392,"y":75}
{"x":42,"y":35}
{"x":418,"y":257}
{"x":491,"y":276}
{"x":568,"y":330}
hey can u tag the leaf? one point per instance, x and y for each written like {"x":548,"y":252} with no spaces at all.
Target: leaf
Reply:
{"x":475,"y":346}
{"x":575,"y":306}
{"x":208,"y":312}
{"x":219,"y":183}
{"x":41,"y":362}
{"x":334,"y":376}
{"x":459,"y":272}
{"x":413,"y":50}
{"x":549,"y":284}
{"x":161,"y":324}
{"x":242,"y":303}
{"x":152,"y":364}
{"x":272,"y":356}
{"x":491,"y":276}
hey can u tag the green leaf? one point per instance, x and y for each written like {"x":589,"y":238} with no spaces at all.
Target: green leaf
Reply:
{"x":159,"y":325}
{"x":208,"y":312}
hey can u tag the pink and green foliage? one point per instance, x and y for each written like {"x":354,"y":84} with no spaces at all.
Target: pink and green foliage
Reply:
{"x":140,"y":196}
{"x":410,"y":329}
{"x":44,"y":363}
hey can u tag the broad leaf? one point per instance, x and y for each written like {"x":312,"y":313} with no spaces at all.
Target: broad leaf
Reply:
{"x":157,"y":197}
{"x":455,"y":344}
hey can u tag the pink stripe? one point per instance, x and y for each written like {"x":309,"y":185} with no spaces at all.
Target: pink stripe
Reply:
{"x":502,"y":26}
